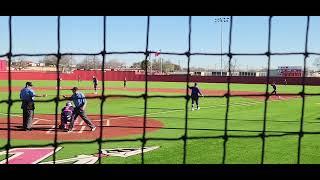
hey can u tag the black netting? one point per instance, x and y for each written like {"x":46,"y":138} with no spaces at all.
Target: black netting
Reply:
{"x":263,"y":133}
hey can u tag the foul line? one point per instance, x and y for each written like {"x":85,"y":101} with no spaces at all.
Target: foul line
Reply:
{"x":22,"y":116}
{"x":163,"y":112}
{"x":155,"y":113}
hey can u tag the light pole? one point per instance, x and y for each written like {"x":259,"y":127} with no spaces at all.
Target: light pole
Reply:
{"x":150,"y":63}
{"x":221,"y":20}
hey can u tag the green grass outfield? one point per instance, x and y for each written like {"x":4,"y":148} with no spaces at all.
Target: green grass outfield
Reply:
{"x":245,"y":115}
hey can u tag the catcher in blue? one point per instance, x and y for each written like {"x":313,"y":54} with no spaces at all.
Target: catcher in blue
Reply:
{"x":66,"y":115}
{"x":195,"y":92}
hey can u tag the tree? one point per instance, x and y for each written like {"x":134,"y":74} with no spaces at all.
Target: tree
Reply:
{"x":233,"y":65}
{"x":114,"y":63}
{"x":176,"y":67}
{"x":167,"y":65}
{"x":145,"y":64}
{"x":65,"y":63}
{"x":136,"y":65}
{"x":19,"y":63}
{"x":194,"y":69}
{"x":156,"y":65}
{"x":50,"y":60}
{"x":90,"y":62}
{"x":316,"y":63}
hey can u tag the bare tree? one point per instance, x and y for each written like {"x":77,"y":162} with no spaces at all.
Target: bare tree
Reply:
{"x":316,"y":63}
{"x":90,"y":62}
{"x":145,"y":64}
{"x":233,"y":65}
{"x":136,"y":65}
{"x":50,"y":60}
{"x":65,"y":64}
{"x":192,"y":68}
{"x":114,"y":63}
{"x":19,"y":63}
{"x":167,"y":65}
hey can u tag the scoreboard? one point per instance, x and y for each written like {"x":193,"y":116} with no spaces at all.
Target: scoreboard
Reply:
{"x":290,"y":71}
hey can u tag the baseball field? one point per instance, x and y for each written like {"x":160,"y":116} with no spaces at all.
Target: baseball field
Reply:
{"x":123,"y":124}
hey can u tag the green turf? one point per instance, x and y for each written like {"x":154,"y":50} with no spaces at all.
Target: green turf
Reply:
{"x":244,"y":114}
{"x":173,"y":85}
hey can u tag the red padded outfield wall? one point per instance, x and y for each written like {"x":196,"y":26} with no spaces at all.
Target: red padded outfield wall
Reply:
{"x":3,"y":65}
{"x":132,"y":76}
{"x":83,"y":75}
{"x":235,"y":79}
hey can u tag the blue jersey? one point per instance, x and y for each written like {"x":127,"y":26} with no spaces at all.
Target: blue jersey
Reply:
{"x":78,"y":99}
{"x":27,"y":95}
{"x":95,"y":81}
{"x":195,"y":91}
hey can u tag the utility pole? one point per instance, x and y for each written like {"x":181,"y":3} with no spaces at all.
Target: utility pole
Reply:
{"x":150,"y":63}
{"x":221,"y":20}
{"x":161,"y":65}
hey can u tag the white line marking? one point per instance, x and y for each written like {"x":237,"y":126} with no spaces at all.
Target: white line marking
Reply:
{"x":22,"y":116}
{"x":161,"y":112}
{"x":51,"y":129}
{"x":108,"y":122}
{"x":76,"y":122}
{"x":82,"y":127}
{"x":35,"y":122}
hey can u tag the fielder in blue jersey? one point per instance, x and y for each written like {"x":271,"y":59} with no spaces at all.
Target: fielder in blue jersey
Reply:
{"x":195,"y":92}
{"x":95,"y":84}
{"x":274,"y":90}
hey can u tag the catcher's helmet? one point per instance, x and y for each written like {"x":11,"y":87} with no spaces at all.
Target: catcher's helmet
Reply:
{"x":68,"y":103}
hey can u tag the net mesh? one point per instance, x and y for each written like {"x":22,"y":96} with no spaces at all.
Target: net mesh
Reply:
{"x":262,"y":134}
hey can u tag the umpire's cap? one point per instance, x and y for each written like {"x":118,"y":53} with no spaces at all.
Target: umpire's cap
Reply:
{"x":74,"y":89}
{"x":28,"y":83}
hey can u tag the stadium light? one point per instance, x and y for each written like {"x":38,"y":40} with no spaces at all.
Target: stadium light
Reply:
{"x":221,"y":21}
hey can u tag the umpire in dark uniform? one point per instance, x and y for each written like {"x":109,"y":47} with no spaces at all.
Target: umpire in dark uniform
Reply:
{"x":27,"y":96}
